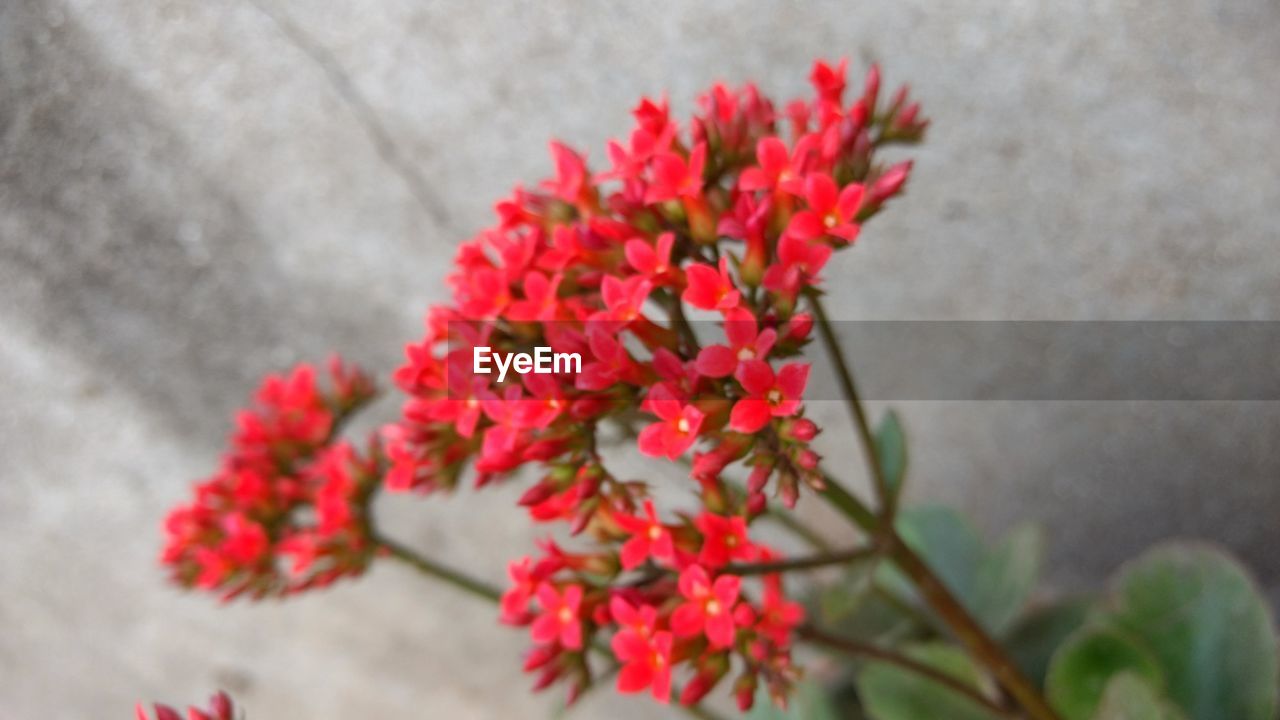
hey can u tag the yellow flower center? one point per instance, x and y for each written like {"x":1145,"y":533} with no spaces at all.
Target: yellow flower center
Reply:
{"x":682,"y":425}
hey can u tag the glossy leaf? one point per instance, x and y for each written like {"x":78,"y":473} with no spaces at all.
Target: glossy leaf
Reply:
{"x":1032,"y":641}
{"x":1006,"y":577}
{"x":1205,"y":622}
{"x":1086,"y":663}
{"x":891,"y":448}
{"x":1129,"y":697}
{"x":994,"y":584}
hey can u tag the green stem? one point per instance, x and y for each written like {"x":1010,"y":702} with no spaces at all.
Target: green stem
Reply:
{"x":888,"y":500}
{"x":966,"y":629}
{"x":879,"y":654}
{"x":802,"y":563}
{"x":483,"y":590}
{"x":425,"y":566}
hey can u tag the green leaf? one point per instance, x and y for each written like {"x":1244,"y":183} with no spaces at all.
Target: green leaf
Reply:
{"x":1032,"y":641}
{"x":994,"y":584}
{"x":1207,"y":625}
{"x":809,"y":701}
{"x":946,"y":541}
{"x":1129,"y":697}
{"x":891,"y":448}
{"x":1082,"y":667}
{"x":890,"y":692}
{"x":1006,"y":577}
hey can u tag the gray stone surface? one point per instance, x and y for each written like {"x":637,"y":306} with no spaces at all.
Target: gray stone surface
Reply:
{"x":194,"y":193}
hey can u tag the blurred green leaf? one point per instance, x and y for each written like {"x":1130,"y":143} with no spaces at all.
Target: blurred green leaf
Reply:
{"x":809,"y":702}
{"x":1129,"y":697}
{"x":994,"y":584}
{"x":891,"y":447}
{"x":1086,"y":662}
{"x":1200,"y":613}
{"x":946,"y":540}
{"x":1006,"y":576}
{"x":1032,"y":641}
{"x":893,"y":693}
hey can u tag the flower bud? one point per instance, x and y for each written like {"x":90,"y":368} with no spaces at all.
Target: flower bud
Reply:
{"x":744,"y":691}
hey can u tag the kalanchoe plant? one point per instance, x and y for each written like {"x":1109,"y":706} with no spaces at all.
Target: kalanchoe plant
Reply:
{"x":732,"y":215}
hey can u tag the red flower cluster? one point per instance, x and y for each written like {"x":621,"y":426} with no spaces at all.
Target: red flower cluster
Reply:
{"x":686,"y":608}
{"x":282,"y":461}
{"x":732,"y":217}
{"x":735,"y":218}
{"x":220,"y":708}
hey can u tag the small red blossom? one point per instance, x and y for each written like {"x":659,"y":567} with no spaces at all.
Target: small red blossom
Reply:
{"x":649,"y":538}
{"x":677,"y":177}
{"x":646,"y":662}
{"x":724,"y":540}
{"x":768,"y":395}
{"x":220,"y":707}
{"x":708,"y":608}
{"x":832,"y":211}
{"x":677,"y":428}
{"x":709,"y":288}
{"x":746,"y":342}
{"x":559,"y":620}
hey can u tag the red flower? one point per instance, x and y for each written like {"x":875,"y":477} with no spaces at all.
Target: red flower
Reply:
{"x":540,"y":302}
{"x":677,"y":428}
{"x":768,"y":396}
{"x":675,"y":177}
{"x":649,"y":538}
{"x":654,"y":264}
{"x":220,"y":708}
{"x":525,"y":577}
{"x":829,"y":81}
{"x":570,"y":183}
{"x":709,"y":289}
{"x":746,"y":342}
{"x":724,"y":539}
{"x":622,"y":298}
{"x":646,"y":662}
{"x":708,"y":608}
{"x":608,"y":364}
{"x":778,"y":616}
{"x":559,"y":620}
{"x":642,"y":620}
{"x":832,"y":211}
{"x":778,"y":170}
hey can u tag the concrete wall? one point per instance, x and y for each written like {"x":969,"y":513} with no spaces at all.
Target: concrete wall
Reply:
{"x":194,"y":193}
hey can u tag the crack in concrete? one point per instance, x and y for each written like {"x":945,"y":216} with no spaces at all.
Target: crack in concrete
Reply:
{"x":388,"y":149}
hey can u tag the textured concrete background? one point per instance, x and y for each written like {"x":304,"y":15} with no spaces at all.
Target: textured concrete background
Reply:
{"x":194,"y":193}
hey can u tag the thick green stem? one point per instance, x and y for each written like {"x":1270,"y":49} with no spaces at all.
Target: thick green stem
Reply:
{"x":879,"y":654}
{"x":962,"y":624}
{"x":888,"y":500}
{"x":967,"y":630}
{"x":810,"y":562}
